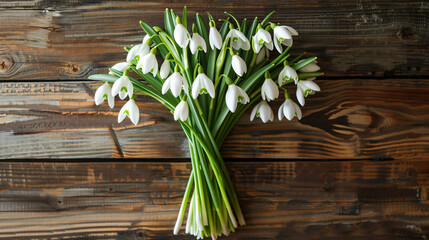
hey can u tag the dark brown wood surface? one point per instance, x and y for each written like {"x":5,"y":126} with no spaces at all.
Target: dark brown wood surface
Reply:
{"x":355,"y":167}
{"x":281,"y":200}
{"x":349,"y":119}
{"x":73,"y":39}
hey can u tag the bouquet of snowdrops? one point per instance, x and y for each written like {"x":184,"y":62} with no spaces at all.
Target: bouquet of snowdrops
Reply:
{"x":208,"y":79}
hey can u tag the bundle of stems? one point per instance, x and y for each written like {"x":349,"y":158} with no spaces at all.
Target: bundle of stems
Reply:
{"x":202,"y":87}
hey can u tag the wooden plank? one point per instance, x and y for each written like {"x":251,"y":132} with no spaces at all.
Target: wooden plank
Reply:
{"x":349,"y":119}
{"x":73,"y":39}
{"x":293,"y":200}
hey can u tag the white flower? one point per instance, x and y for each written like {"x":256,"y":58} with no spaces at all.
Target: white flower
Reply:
{"x":148,"y":63}
{"x":181,"y":35}
{"x":215,"y":38}
{"x":104,"y":92}
{"x":197,"y":43}
{"x":269,"y":90}
{"x":202,"y":84}
{"x":262,"y":110}
{"x":262,"y":38}
{"x":283,"y":35}
{"x":234,"y":95}
{"x":119,"y":67}
{"x":264,"y":53}
{"x":131,"y":110}
{"x":181,"y":111}
{"x":164,"y":71}
{"x":304,"y":87}
{"x":238,"y":40}
{"x":123,"y":86}
{"x":311,"y":67}
{"x":287,"y":73}
{"x":289,"y":109}
{"x":238,"y":65}
{"x":140,"y":49}
{"x":175,"y":82}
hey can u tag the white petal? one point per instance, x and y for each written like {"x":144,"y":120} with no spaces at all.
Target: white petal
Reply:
{"x":260,"y":57}
{"x":280,"y":112}
{"x":166,"y":85}
{"x":181,"y":35}
{"x":307,"y":84}
{"x":215,"y":38}
{"x":242,"y":93}
{"x":110,"y":100}
{"x":297,"y":111}
{"x":278,"y":46}
{"x":269,"y":45}
{"x":120,"y":66}
{"x":98,"y":97}
{"x":231,"y":98}
{"x":184,"y":112}
{"x":291,"y":30}
{"x":133,"y":52}
{"x":238,"y":65}
{"x":165,"y":69}
{"x":123,"y":95}
{"x":300,"y":96}
{"x":134,"y":112}
{"x":265,"y":111}
{"x":177,"y":112}
{"x":196,"y":87}
{"x":117,"y":85}
{"x":210,"y":87}
{"x":264,"y":35}
{"x":254,"y":111}
{"x":311,"y":67}
{"x":176,"y":84}
{"x":255,"y":45}
{"x":289,"y":109}
{"x":122,"y":115}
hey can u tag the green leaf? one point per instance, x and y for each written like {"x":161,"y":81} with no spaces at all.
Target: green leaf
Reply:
{"x":303,"y":63}
{"x":103,"y":77}
{"x":184,"y":18}
{"x":149,"y":30}
{"x":266,"y":18}
{"x":308,"y":75}
{"x":168,"y":22}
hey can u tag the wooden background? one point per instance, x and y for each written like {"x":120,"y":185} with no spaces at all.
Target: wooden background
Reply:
{"x":355,"y":167}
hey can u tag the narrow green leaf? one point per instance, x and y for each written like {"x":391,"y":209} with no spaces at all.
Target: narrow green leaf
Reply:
{"x":168,"y":22}
{"x":303,"y":63}
{"x":103,"y":77}
{"x":149,"y":30}
{"x":266,"y":18}
{"x":184,"y":18}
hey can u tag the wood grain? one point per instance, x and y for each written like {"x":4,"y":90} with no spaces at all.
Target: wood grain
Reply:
{"x":51,"y":40}
{"x":349,"y":119}
{"x":281,"y":200}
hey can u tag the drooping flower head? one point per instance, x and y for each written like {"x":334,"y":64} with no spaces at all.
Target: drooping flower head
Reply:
{"x":260,"y":39}
{"x":215,"y":39}
{"x":305,"y":87}
{"x":288,"y":73}
{"x":239,"y":65}
{"x":238,"y":40}
{"x":235,"y":94}
{"x":175,"y":83}
{"x":148,"y":63}
{"x":181,"y":111}
{"x":289,"y":109}
{"x":262,"y":110}
{"x":269,"y":89}
{"x":140,"y":49}
{"x":119,"y":67}
{"x":197,"y":42}
{"x":104,"y":92}
{"x":123,"y":86}
{"x":202,"y":84}
{"x":283,"y":36}
{"x":131,"y":110}
{"x":181,"y":34}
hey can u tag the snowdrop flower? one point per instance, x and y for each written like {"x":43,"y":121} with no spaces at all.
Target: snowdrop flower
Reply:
{"x":202,"y":84}
{"x":311,"y":67}
{"x":148,"y":63}
{"x":140,"y":49}
{"x":262,"y":38}
{"x":104,"y":92}
{"x":181,"y":111}
{"x":181,"y":34}
{"x":175,"y":82}
{"x":234,"y":95}
{"x":164,"y":71}
{"x":238,"y":40}
{"x":304,"y":87}
{"x":239,"y":65}
{"x":215,"y":39}
{"x":131,"y":110}
{"x":123,"y":86}
{"x":197,"y":43}
{"x":286,"y":74}
{"x":283,"y":36}
{"x":264,"y":53}
{"x":289,"y":109}
{"x":269,"y":90}
{"x":119,"y":67}
{"x":262,"y":110}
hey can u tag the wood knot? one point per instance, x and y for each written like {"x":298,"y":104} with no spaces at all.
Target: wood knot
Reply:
{"x":329,"y":184}
{"x":140,"y":235}
{"x":5,"y":63}
{"x":73,"y":67}
{"x":406,"y":33}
